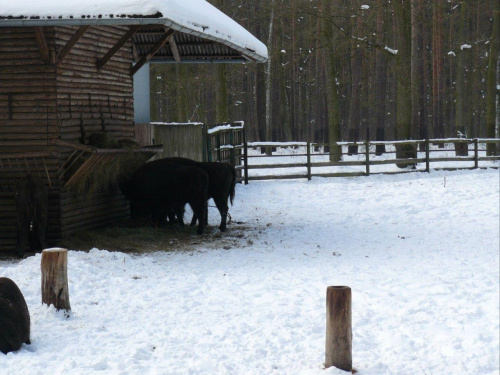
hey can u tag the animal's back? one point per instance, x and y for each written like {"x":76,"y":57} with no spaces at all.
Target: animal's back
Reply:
{"x":14,"y":317}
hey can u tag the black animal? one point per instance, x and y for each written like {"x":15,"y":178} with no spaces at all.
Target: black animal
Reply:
{"x":157,"y":190}
{"x":221,"y":186}
{"x":14,"y":317}
{"x":32,"y":212}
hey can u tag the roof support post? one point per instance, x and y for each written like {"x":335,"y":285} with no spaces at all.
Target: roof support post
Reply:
{"x":42,"y":44}
{"x":175,"y":50}
{"x":124,"y":39}
{"x":163,"y":40}
{"x":69,"y":45}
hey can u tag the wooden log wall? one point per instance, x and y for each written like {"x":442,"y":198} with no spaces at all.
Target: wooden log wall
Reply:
{"x":28,"y":107}
{"x":28,"y":121}
{"x":41,"y":101}
{"x":96,"y":100}
{"x":91,"y":98}
{"x":91,"y":211}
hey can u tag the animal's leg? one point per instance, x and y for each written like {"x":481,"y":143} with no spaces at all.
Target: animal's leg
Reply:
{"x":171,"y":216}
{"x":223,"y":208}
{"x":193,"y":220}
{"x":22,"y":235}
{"x":40,"y":238}
{"x":195,"y":217}
{"x":179,"y":212}
{"x":199,"y":210}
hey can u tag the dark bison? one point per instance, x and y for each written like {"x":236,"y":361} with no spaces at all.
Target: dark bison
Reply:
{"x":32,"y":208}
{"x":157,"y":190}
{"x":14,"y":317}
{"x":221,"y":186}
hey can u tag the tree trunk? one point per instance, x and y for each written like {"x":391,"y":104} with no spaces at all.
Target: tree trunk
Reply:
{"x":402,"y":15}
{"x":380,"y":80}
{"x":221,"y":111}
{"x":437,"y":70}
{"x":415,"y":63}
{"x":424,"y":73}
{"x":55,"y":289}
{"x":356,"y":66}
{"x":460,"y":125}
{"x":492,"y":91}
{"x":268,"y":78}
{"x":331,"y":74}
{"x":181,"y":94}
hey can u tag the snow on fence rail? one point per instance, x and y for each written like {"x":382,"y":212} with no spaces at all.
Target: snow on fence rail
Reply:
{"x":305,"y":159}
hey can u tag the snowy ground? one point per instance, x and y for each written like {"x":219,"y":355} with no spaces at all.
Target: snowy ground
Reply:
{"x":420,"y":252}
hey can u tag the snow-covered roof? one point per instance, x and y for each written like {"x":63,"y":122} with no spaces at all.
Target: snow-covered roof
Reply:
{"x":194,"y":17}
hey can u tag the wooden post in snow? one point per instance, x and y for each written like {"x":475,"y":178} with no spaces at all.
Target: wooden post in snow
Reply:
{"x":55,"y":278}
{"x":338,"y":348}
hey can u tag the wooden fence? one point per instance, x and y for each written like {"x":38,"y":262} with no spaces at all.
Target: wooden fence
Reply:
{"x":366,"y":159}
{"x":225,"y":143}
{"x":185,"y":140}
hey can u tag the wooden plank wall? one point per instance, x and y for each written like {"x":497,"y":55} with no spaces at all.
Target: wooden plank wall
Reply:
{"x":28,"y":114}
{"x":144,"y":134}
{"x":95,"y":100}
{"x":183,"y":140}
{"x":28,"y":120}
{"x":80,"y":213}
{"x":40,"y":102}
{"x":91,"y":98}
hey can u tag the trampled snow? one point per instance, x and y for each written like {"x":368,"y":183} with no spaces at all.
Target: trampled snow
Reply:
{"x":420,"y":252}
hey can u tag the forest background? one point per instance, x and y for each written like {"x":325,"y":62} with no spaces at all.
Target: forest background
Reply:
{"x":342,"y":70}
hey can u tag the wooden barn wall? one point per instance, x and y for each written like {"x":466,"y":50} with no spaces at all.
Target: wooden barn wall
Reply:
{"x":85,"y":212}
{"x":93,"y":101}
{"x":28,"y":106}
{"x":40,"y":102}
{"x":28,"y":121}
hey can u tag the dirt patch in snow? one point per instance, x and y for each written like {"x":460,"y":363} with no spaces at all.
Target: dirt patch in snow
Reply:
{"x":130,"y":237}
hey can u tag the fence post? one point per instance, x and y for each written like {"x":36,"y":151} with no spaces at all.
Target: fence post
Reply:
{"x":209,"y":147}
{"x":338,"y":348}
{"x":476,"y":153}
{"x":427,"y":155}
{"x":309,"y":161}
{"x":245,"y":157}
{"x":367,"y":156}
{"x":218,"y":147}
{"x":231,"y":151}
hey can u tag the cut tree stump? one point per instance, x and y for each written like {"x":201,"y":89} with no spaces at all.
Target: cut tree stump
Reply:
{"x":338,"y":348}
{"x":55,"y":289}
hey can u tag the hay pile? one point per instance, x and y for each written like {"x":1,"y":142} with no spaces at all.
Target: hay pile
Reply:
{"x":112,"y":168}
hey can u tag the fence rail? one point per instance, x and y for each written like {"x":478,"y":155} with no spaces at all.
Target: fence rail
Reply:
{"x":427,"y":157}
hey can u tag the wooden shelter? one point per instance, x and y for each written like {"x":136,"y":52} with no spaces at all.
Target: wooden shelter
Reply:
{"x":64,"y":78}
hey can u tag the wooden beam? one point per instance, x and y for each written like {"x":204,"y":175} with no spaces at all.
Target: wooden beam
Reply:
{"x":69,"y":45}
{"x":124,"y":39}
{"x":42,"y":44}
{"x":135,"y":54}
{"x":175,"y":50}
{"x":163,"y":40}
